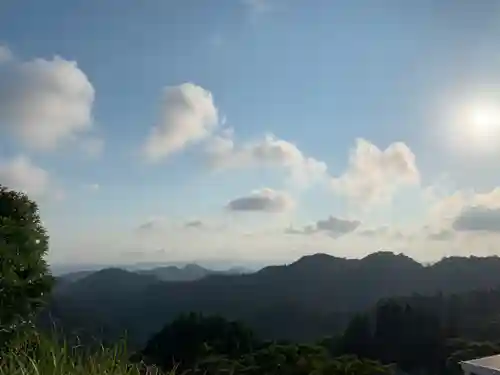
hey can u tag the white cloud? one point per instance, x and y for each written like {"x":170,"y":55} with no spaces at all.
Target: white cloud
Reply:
{"x":265,"y":200}
{"x":267,"y":152}
{"x":188,"y":115}
{"x":44,"y":102}
{"x":443,"y":209}
{"x":373,"y":175}
{"x":489,"y":199}
{"x":21,"y":174}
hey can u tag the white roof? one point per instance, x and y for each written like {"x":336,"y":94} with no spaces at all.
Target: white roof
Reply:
{"x":485,"y":365}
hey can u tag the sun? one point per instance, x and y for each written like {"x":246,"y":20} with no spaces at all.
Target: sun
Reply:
{"x":483,"y":119}
{"x":474,"y":127}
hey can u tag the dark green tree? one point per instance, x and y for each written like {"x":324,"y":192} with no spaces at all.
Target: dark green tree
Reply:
{"x":193,"y":337}
{"x":24,"y":276}
{"x":358,"y":337}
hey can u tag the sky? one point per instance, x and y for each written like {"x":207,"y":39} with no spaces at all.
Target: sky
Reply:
{"x":240,"y":131}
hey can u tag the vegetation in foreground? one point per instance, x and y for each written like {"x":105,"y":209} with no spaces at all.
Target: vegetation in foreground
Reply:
{"x":194,"y":344}
{"x":45,"y":355}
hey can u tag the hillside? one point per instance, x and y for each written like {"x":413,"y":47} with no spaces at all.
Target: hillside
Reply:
{"x":302,"y":300}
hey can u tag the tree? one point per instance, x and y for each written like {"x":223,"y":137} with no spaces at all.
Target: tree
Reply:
{"x":193,"y":337}
{"x":24,"y":275}
{"x":358,"y":337}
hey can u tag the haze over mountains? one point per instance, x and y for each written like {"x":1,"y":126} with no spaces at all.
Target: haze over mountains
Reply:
{"x":188,"y":272}
{"x":306,"y":299}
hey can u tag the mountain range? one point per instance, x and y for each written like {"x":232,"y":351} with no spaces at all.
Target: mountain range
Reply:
{"x":188,"y":272}
{"x":302,"y":300}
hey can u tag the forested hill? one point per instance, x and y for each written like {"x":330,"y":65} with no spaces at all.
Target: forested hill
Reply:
{"x":309,"y":298}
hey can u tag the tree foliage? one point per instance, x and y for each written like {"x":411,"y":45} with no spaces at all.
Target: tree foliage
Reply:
{"x":196,"y":344}
{"x":192,"y":337}
{"x":24,"y":276}
{"x":417,"y":334}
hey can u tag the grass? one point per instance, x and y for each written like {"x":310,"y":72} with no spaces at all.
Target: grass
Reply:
{"x":45,"y":355}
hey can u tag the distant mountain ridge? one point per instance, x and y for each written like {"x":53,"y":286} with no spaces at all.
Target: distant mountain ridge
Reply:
{"x":302,"y":300}
{"x":188,"y":272}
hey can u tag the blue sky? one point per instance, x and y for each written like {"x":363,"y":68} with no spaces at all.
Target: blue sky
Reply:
{"x":316,"y":75}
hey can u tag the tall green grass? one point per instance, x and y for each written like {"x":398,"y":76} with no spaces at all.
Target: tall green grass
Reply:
{"x":46,"y":355}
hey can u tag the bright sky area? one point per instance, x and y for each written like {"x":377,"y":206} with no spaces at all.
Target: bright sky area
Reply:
{"x":254,"y":130}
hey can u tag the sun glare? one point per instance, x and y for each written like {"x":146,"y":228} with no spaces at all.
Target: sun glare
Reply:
{"x":484,"y":119}
{"x":474,"y":127}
